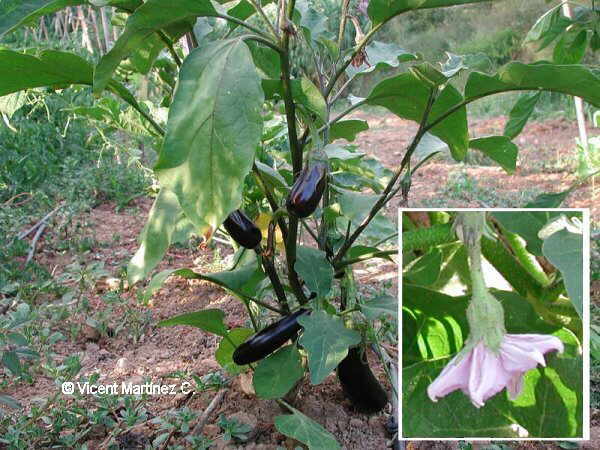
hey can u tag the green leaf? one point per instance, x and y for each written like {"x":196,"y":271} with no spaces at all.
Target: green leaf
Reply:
{"x":305,"y":430}
{"x":498,"y":148}
{"x":209,"y":320}
{"x":272,"y":176}
{"x":312,"y":266}
{"x":434,"y":324}
{"x":576,"y":80}
{"x":326,"y":341}
{"x":19,"y":71}
{"x":224,"y":354}
{"x":425,"y":270}
{"x":213,"y":129}
{"x":270,"y":381}
{"x":243,"y":281}
{"x":12,"y":363}
{"x":549,"y":200}
{"x":146,"y":20}
{"x":11,"y":103}
{"x":383,"y":10}
{"x":520,"y":113}
{"x":156,"y":235}
{"x":565,"y":251}
{"x":407,"y":96}
{"x":266,"y":59}
{"x":570,"y":48}
{"x":382,"y":305}
{"x":347,"y":129}
{"x":338,"y":152}
{"x":304,"y":92}
{"x":556,"y":388}
{"x":548,"y":27}
{"x":17,"y":13}
{"x":360,"y":250}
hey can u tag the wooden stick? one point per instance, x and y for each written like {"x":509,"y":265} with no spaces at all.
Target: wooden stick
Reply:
{"x":44,"y":219}
{"x":39,"y":232}
{"x":208,"y":411}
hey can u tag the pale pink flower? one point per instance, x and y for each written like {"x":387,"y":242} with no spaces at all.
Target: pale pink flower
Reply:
{"x":481,"y":373}
{"x":362,"y":6}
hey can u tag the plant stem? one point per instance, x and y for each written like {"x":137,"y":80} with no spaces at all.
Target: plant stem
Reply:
{"x":275,"y":281}
{"x":169,"y":45}
{"x":246,"y":25}
{"x":296,"y":155}
{"x":385,"y":197}
{"x":526,"y":259}
{"x":262,"y":14}
{"x":271,"y":199}
{"x":343,"y":20}
{"x":366,"y":257}
{"x":356,"y":51}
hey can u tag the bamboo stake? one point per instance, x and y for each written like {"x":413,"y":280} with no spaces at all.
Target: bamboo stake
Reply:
{"x":578,"y":101}
{"x":85,"y":34}
{"x":105,"y":28}
{"x":92,"y":14}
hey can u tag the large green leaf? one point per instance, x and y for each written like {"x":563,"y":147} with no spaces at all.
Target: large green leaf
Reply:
{"x":146,"y":20}
{"x":572,"y":79}
{"x":407,"y":96}
{"x":565,"y":251}
{"x":312,"y":266}
{"x":242,"y":281}
{"x":498,"y":148}
{"x":382,"y":10}
{"x":16,"y":13}
{"x":305,"y":430}
{"x":163,"y":220}
{"x":326,"y":341}
{"x":210,"y":320}
{"x":270,"y":381}
{"x":19,"y":71}
{"x":224,"y":354}
{"x":213,"y":129}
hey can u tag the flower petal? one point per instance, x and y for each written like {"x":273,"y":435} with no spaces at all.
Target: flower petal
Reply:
{"x":454,"y":376}
{"x":487,"y":377}
{"x":515,"y":385}
{"x":523,"y":352}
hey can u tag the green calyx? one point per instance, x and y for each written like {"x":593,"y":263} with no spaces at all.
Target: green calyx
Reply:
{"x":485,"y":313}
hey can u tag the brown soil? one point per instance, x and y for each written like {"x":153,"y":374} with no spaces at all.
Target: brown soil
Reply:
{"x":161,"y":351}
{"x":546,"y":163}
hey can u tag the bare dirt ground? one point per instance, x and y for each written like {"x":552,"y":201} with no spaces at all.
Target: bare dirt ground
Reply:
{"x":546,"y":149}
{"x":162,"y":351}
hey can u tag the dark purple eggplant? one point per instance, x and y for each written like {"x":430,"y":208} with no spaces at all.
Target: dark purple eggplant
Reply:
{"x":268,"y":340}
{"x":242,"y":229}
{"x":359,"y":384}
{"x":307,"y":191}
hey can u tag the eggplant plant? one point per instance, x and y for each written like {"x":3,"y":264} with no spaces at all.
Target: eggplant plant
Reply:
{"x":255,"y":97}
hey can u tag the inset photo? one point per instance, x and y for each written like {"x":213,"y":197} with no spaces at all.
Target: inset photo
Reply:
{"x":495,"y":324}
